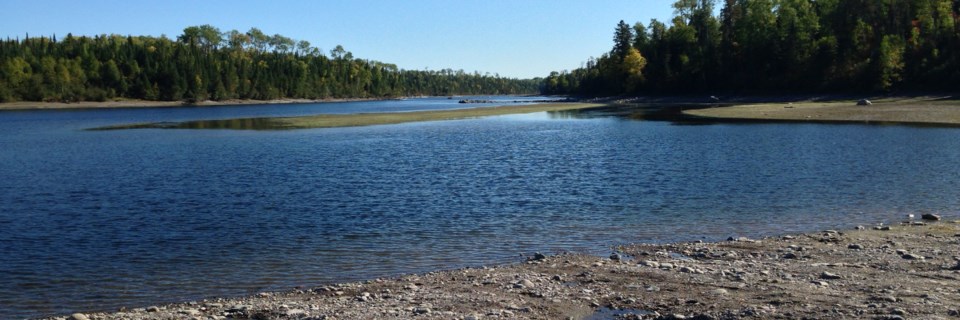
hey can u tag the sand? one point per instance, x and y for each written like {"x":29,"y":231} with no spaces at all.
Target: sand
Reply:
{"x":910,"y":110}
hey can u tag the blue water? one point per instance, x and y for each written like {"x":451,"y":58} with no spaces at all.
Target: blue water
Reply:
{"x":97,"y":220}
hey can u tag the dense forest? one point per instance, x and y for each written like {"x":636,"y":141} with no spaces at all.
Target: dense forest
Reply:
{"x":779,"y":46}
{"x":206,"y":64}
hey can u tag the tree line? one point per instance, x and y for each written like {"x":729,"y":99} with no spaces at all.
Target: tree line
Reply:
{"x":206,"y":64}
{"x":779,"y":46}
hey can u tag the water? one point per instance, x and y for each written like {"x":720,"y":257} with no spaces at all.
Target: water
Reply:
{"x":97,"y":220}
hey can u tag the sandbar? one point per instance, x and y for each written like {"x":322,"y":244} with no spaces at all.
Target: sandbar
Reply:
{"x":909,"y":110}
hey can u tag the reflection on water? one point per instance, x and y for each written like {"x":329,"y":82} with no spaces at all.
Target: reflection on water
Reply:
{"x":236,"y":124}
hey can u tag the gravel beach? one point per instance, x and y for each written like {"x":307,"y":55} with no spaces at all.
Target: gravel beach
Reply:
{"x":904,"y":271}
{"x":909,"y":110}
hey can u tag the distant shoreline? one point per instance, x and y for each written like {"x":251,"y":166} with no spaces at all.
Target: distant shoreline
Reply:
{"x":133,"y":103}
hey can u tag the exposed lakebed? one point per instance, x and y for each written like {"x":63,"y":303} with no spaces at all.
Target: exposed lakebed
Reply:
{"x":96,"y":220}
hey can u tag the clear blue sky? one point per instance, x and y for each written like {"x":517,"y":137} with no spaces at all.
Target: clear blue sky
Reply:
{"x":515,"y":38}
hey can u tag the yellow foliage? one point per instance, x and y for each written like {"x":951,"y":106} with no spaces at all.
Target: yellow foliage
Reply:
{"x":633,"y":63}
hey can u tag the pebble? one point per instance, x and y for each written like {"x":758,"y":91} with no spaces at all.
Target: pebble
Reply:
{"x":719,"y":291}
{"x":295,"y":313}
{"x":78,"y":316}
{"x":191,"y":312}
{"x":930,"y":216}
{"x":910,"y":256}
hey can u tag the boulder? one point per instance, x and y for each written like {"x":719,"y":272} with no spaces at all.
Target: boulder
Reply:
{"x":864,"y":102}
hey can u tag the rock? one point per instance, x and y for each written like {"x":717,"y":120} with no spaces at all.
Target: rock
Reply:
{"x":930,"y":216}
{"x":615,"y":257}
{"x":886,"y":298}
{"x":213,"y":305}
{"x":864,"y":102}
{"x":78,"y":316}
{"x":363,"y":297}
{"x":421,"y":310}
{"x":526,"y":283}
{"x":882,"y":228}
{"x":741,"y":239}
{"x":190,"y":312}
{"x":898,"y":311}
{"x":295,"y":313}
{"x":953,"y":313}
{"x":153,"y":309}
{"x":538,"y":256}
{"x":911,"y":256}
{"x":790,"y":255}
{"x":719,"y":291}
{"x":652,"y":264}
{"x":830,"y":276}
{"x":855,"y":246}
{"x":557,"y":278}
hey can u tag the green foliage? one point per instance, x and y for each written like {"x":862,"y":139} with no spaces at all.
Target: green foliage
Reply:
{"x":204,"y":63}
{"x":782,"y":46}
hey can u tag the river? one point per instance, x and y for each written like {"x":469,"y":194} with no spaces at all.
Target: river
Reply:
{"x":98,"y":220}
